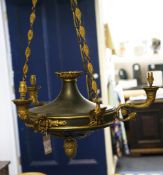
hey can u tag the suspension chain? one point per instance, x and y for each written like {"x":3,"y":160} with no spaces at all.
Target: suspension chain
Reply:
{"x":84,"y":50}
{"x":30,"y":34}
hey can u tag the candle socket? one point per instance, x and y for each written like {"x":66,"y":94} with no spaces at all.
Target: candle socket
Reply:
{"x":33,"y":91}
{"x":22,"y":89}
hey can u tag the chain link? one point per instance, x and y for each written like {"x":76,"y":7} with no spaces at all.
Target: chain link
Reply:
{"x":84,"y":50}
{"x":30,"y":34}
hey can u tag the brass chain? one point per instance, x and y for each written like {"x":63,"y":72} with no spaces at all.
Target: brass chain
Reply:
{"x":84,"y":50}
{"x":30,"y":34}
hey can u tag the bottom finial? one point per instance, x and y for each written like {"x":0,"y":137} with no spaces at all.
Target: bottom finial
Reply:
{"x":70,"y":147}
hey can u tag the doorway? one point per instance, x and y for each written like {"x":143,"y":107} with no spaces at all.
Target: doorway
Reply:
{"x":134,"y":40}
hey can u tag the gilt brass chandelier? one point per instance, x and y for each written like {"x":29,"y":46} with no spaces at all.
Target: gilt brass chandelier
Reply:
{"x":70,"y":115}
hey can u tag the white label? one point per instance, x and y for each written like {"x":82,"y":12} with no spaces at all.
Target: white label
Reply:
{"x":47,"y":144}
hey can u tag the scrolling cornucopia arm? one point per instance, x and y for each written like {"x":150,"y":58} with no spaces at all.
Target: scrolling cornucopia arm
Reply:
{"x":151,"y":95}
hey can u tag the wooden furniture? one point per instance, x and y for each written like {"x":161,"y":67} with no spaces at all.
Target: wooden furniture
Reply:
{"x":4,"y":167}
{"x":145,"y":134}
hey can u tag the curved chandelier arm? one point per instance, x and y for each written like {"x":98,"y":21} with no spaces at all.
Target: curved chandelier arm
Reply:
{"x":22,"y":108}
{"x":125,"y":113}
{"x":151,"y":95}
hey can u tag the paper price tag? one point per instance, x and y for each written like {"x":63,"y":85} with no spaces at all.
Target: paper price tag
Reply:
{"x":47,"y":144}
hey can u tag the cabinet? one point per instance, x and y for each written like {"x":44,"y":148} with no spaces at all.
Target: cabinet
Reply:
{"x":4,"y":168}
{"x":145,"y":134}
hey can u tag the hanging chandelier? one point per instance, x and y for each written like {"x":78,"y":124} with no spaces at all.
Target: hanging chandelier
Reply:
{"x":70,"y":115}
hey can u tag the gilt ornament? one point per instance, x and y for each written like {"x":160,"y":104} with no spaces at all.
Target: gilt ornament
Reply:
{"x":71,"y":116}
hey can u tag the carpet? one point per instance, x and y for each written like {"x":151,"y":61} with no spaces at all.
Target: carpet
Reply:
{"x":146,"y":165}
